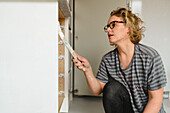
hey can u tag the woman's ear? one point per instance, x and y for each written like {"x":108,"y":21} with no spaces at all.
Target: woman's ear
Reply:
{"x":128,"y":30}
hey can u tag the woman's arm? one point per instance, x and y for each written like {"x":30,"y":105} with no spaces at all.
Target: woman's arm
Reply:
{"x":155,"y":101}
{"x":95,"y":85}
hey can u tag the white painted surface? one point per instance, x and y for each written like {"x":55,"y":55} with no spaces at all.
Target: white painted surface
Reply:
{"x":28,"y":64}
{"x":92,"y":42}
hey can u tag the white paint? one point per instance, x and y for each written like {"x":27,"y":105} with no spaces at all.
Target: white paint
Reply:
{"x":28,"y":64}
{"x":89,"y":76}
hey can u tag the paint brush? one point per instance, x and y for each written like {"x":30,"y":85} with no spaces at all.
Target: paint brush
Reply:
{"x":66,"y":43}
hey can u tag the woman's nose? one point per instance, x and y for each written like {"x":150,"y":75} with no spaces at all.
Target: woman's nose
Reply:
{"x":108,"y":29}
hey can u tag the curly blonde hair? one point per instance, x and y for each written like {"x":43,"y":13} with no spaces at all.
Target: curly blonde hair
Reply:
{"x":134,"y":23}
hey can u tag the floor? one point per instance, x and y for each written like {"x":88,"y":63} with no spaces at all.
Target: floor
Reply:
{"x":167,"y":105}
{"x":87,"y":104}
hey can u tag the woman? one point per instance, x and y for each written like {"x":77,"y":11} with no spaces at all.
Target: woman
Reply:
{"x":132,"y":76}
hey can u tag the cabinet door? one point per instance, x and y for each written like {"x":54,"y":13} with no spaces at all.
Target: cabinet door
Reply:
{"x":91,"y":41}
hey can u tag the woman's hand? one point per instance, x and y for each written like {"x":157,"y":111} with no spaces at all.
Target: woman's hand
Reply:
{"x":95,"y":85}
{"x":82,"y":63}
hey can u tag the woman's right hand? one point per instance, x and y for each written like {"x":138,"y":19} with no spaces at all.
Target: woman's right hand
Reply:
{"x":95,"y":85}
{"x":82,"y":63}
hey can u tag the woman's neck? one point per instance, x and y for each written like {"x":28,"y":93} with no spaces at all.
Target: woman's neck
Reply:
{"x":126,"y":48}
{"x":126,"y":52}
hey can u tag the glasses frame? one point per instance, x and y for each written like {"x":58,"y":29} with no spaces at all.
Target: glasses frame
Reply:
{"x":112,"y":25}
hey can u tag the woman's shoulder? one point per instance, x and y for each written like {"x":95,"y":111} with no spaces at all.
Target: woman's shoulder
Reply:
{"x":110,"y":53}
{"x":146,"y":50}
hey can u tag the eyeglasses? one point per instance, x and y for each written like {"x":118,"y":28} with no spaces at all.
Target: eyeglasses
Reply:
{"x":112,"y":25}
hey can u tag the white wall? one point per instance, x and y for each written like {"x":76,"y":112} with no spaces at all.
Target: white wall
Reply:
{"x":28,"y":57}
{"x":92,"y":42}
{"x":156,"y":16}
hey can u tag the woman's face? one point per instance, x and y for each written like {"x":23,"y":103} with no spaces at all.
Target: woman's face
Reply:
{"x":119,"y":33}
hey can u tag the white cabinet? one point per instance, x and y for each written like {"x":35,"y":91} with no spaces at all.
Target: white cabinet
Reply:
{"x":29,"y":56}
